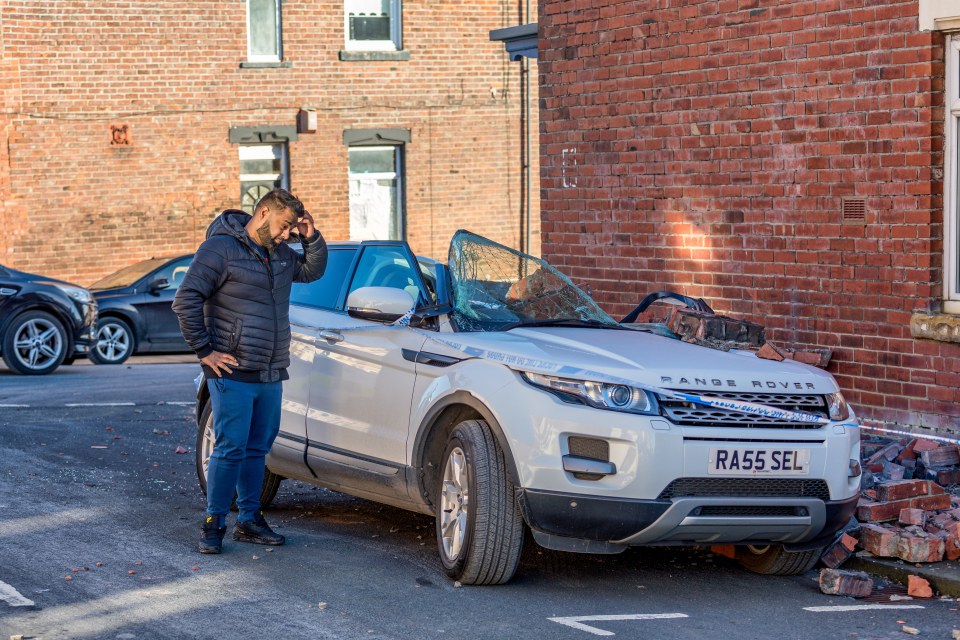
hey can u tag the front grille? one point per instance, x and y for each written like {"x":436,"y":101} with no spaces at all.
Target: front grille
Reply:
{"x":697,"y":415}
{"x":746,"y":487}
{"x":746,"y":511}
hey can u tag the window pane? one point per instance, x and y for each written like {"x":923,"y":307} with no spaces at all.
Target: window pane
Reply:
{"x":369,"y":19}
{"x":324,"y":292}
{"x":372,"y":160}
{"x":386,"y":267}
{"x":263,"y":28}
{"x":261,"y":166}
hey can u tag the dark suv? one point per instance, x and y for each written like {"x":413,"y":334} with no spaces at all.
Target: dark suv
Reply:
{"x":43,"y":322}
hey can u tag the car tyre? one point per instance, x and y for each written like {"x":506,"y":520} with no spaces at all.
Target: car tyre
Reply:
{"x":774,"y":560}
{"x":114,"y":343}
{"x":478,"y":522}
{"x":204,"y":448}
{"x":35,"y":343}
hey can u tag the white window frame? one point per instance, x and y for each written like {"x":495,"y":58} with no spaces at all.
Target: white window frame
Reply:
{"x":951,"y":211}
{"x":274,"y":57}
{"x":395,"y":43}
{"x":397,"y":174}
{"x":284,"y":175}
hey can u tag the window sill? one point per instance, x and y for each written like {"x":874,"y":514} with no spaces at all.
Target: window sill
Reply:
{"x":942,"y":327}
{"x":285,"y":64}
{"x":354,"y":56}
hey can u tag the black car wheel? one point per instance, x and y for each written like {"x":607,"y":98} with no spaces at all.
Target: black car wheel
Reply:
{"x":115,"y":342}
{"x":35,"y":343}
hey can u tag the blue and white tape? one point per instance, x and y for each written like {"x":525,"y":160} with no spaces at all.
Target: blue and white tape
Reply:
{"x":548,"y":367}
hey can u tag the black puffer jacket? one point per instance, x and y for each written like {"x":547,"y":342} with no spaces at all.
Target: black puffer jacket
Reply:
{"x":234,"y":301}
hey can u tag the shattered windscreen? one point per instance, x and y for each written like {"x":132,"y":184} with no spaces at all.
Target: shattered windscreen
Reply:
{"x":496,"y":288}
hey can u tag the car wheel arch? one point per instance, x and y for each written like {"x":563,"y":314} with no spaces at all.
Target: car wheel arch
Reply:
{"x":66,"y":321}
{"x":435,"y":430}
{"x":134,"y":323}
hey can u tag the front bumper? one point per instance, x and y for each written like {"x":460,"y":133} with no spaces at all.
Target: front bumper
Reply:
{"x":574,"y":522}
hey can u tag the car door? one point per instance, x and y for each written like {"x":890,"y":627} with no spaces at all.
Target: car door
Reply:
{"x":310,"y":305}
{"x":161,"y":329}
{"x":361,"y":386}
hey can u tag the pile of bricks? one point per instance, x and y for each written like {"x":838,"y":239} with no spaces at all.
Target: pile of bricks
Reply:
{"x":909,"y":509}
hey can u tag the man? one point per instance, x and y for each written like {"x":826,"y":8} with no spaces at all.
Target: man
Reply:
{"x":233,"y":307}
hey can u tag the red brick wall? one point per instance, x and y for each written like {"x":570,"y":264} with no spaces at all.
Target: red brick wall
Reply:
{"x":709,"y":146}
{"x":77,"y":208}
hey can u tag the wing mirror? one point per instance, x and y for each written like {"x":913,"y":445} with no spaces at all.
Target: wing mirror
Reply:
{"x":159,"y":285}
{"x":380,"y":304}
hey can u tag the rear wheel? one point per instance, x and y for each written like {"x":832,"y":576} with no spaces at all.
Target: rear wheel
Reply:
{"x":35,"y":343}
{"x":114,"y":343}
{"x":479,"y":527}
{"x":204,"y":449}
{"x":776,"y":561}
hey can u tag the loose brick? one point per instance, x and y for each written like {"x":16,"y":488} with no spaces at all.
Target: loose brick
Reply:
{"x":879,"y":541}
{"x":913,"y":516}
{"x":931,"y":503}
{"x":845,"y":583}
{"x":951,"y":548}
{"x":916,"y":549}
{"x":918,"y":587}
{"x":909,"y":452}
{"x":889,"y":452}
{"x":946,"y":476}
{"x":888,"y":491}
{"x":770,"y":352}
{"x":941,"y":457}
{"x":922,"y":444}
{"x":839,"y":552}
{"x":894,"y":471}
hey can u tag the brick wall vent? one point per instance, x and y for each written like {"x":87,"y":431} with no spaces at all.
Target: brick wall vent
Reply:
{"x":854,"y":211}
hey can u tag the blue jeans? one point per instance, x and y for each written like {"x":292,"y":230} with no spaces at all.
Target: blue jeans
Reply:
{"x":246,"y":420}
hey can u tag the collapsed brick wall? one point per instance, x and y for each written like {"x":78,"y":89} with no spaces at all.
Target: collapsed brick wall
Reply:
{"x":78,"y":208}
{"x":706,"y":147}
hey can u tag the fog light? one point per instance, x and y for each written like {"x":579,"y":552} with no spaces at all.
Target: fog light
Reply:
{"x":855,"y":469}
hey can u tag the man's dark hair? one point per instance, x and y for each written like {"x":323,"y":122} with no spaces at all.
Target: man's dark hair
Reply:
{"x":280,"y":199}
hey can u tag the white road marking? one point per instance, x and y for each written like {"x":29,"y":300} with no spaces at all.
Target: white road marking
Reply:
{"x":180,"y":404}
{"x":12,"y":596}
{"x":14,"y":406}
{"x":861,"y":607}
{"x":101,"y":404}
{"x":576,"y":621}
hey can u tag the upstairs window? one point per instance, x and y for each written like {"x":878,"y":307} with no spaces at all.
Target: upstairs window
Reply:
{"x":263,"y":31}
{"x":376,"y":204}
{"x":372,"y":25}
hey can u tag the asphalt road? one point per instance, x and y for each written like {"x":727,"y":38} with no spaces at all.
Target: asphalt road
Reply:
{"x":99,"y":518}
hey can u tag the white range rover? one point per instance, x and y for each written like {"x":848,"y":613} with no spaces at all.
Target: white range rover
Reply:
{"x":509,"y":399}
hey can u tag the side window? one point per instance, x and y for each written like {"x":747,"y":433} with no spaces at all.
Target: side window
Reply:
{"x":173,"y":272}
{"x":386,"y":267}
{"x":325,"y":291}
{"x":263,"y":31}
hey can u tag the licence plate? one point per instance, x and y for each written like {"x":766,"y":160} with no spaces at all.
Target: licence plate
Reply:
{"x":758,"y":462}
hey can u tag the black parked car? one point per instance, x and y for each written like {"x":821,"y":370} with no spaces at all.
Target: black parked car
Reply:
{"x":135,"y":313}
{"x":43,"y":322}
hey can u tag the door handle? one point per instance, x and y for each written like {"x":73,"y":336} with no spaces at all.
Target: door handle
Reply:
{"x":331,"y":336}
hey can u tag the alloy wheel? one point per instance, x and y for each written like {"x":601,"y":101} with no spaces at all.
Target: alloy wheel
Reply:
{"x":113,"y":342}
{"x":38,"y":343}
{"x":454,"y":500}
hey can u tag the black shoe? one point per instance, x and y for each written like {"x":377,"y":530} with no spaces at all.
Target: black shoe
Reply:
{"x":257,"y":531}
{"x":211,"y":536}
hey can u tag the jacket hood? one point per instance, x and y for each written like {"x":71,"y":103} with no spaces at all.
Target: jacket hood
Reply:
{"x":231,"y":222}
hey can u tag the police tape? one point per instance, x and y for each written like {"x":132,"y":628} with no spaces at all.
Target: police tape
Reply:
{"x":548,"y":367}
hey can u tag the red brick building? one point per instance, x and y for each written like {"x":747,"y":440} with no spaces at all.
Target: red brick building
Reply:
{"x":793,"y":163}
{"x":127,"y":126}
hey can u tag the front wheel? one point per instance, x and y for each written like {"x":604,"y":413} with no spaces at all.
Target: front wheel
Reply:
{"x":114,"y":344}
{"x":774,"y":560}
{"x":204,"y":449}
{"x":479,"y":527}
{"x":35,"y":343}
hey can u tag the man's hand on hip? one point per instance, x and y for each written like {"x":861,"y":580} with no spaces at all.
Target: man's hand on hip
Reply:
{"x":218,"y":361}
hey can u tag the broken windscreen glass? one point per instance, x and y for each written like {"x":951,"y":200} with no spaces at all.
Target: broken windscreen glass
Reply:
{"x":496,"y":288}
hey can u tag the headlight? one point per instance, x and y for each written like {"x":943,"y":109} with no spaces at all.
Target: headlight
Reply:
{"x":77,"y":293}
{"x":837,"y":406}
{"x":601,"y":395}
